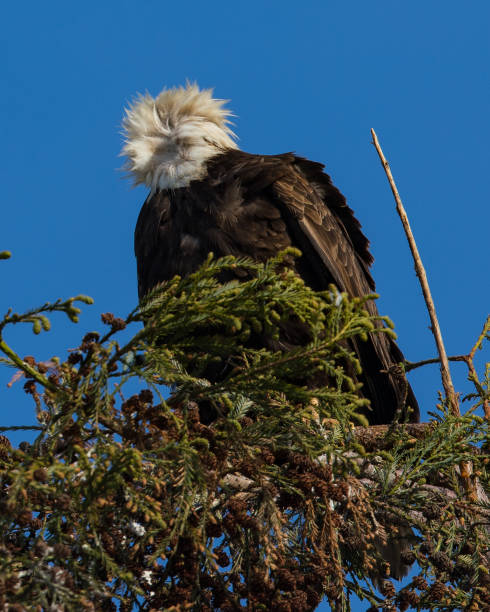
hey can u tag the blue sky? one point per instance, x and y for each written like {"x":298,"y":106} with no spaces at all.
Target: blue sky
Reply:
{"x":312,"y":77}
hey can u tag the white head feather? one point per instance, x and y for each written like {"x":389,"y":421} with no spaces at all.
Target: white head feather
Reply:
{"x":168,"y":139}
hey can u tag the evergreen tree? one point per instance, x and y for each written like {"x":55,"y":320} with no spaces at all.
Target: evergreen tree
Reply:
{"x":281,"y":495}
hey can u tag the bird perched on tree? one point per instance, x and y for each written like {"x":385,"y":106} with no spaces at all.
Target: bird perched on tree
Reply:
{"x":208,"y":195}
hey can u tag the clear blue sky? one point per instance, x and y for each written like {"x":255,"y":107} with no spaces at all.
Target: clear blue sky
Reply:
{"x":312,"y":77}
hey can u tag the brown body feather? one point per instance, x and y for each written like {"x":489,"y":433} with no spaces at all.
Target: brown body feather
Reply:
{"x":255,"y":205}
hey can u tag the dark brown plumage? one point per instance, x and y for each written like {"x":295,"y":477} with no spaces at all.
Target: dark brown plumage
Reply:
{"x":206,"y":195}
{"x":256,"y":205}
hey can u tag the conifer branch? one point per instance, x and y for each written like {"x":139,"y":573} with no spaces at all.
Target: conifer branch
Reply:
{"x":275,"y":499}
{"x":24,"y":366}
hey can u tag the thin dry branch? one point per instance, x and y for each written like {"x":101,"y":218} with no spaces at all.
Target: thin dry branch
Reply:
{"x":467,"y":359}
{"x":465,"y":466}
{"x":413,"y":365}
{"x":420,"y":271}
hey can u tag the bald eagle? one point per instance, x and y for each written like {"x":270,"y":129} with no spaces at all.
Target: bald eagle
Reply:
{"x":208,"y":195}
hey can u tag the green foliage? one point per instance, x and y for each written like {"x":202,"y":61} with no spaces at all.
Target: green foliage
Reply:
{"x":249,"y":484}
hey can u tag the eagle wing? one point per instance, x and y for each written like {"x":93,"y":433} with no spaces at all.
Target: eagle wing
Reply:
{"x":314,"y":206}
{"x":149,"y":240}
{"x":335,"y":250}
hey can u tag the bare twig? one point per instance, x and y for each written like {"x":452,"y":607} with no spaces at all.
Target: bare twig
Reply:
{"x":413,"y":365}
{"x":466,"y":467}
{"x":419,"y":268}
{"x":22,"y":428}
{"x":468,"y":360}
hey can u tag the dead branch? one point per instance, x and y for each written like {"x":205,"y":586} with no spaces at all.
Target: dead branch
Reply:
{"x":420,"y":271}
{"x":447,"y":382}
{"x":413,"y":365}
{"x":467,"y":359}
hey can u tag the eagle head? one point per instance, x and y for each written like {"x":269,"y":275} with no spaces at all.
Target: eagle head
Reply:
{"x":168,"y":139}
